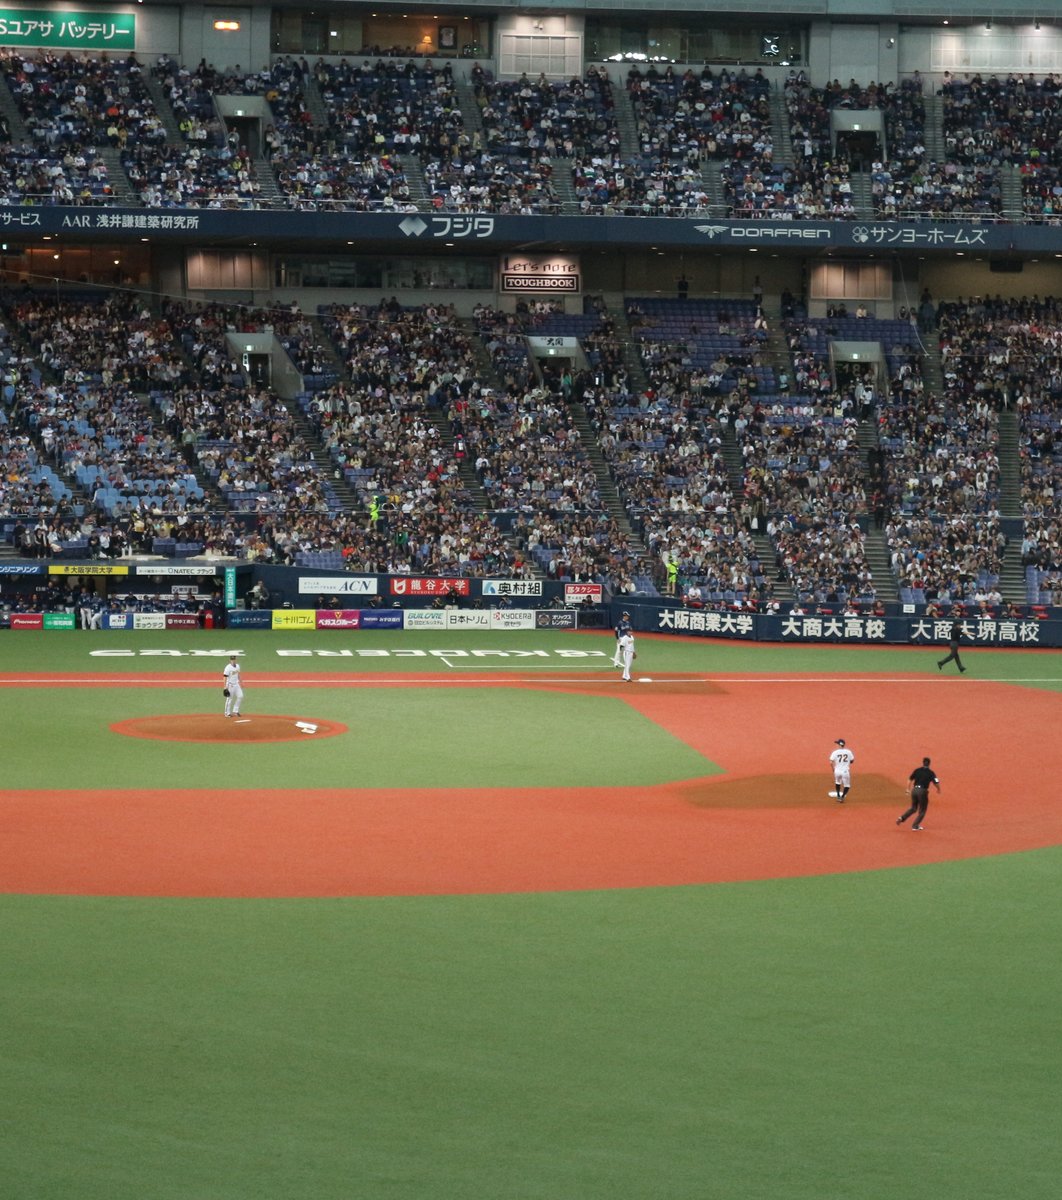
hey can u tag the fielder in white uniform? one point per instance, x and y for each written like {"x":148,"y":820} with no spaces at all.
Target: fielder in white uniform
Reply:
{"x":842,"y":759}
{"x":233,"y":691}
{"x":626,"y":650}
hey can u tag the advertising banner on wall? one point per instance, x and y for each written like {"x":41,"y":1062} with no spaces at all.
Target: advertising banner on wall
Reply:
{"x":21,"y":568}
{"x":168,"y":569}
{"x":67,"y":30}
{"x":576,"y":593}
{"x":425,"y":618}
{"x":149,"y":620}
{"x":512,"y":618}
{"x":556,"y":618}
{"x":27,"y":620}
{"x":294,"y":618}
{"x":338,"y":618}
{"x":117,"y":620}
{"x":338,"y":585}
{"x":458,"y":619}
{"x":59,"y":620}
{"x":410,"y":586}
{"x":512,"y":587}
{"x":389,"y":618}
{"x":87,"y":569}
{"x":250,"y":619}
{"x":182,"y":621}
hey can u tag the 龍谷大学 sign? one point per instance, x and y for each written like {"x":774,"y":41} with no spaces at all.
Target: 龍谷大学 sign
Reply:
{"x":68,"y":30}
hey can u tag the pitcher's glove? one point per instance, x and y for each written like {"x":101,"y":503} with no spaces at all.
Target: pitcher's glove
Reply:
{"x":225,"y":692}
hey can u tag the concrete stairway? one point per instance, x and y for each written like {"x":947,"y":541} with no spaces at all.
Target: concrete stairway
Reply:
{"x":627,"y":124}
{"x":1009,"y":466}
{"x":163,"y":107}
{"x":415,"y":181}
{"x":637,"y":379}
{"x":768,"y":556}
{"x":934,"y":132}
{"x":781,"y":141}
{"x":315,"y":104}
{"x":713,"y":185}
{"x":562,"y":185}
{"x":117,"y":178}
{"x":269,"y":193}
{"x":9,"y":110}
{"x":1012,"y":202}
{"x":862,"y":200}
{"x":932,"y":364}
{"x":879,"y":558}
{"x":471,"y":117}
{"x":610,"y":496}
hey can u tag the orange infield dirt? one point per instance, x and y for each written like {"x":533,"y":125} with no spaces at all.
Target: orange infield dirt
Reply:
{"x":768,"y":816}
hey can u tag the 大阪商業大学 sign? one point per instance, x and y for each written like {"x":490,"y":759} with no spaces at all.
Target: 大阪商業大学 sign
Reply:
{"x":67,"y":30}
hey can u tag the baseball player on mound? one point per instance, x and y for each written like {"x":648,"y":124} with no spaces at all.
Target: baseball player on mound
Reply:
{"x":233,"y":692}
{"x":842,"y":759}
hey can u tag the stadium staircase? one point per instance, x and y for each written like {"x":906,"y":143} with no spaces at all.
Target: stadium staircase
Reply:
{"x":344,"y":493}
{"x":471,"y":115}
{"x":713,"y":186}
{"x":768,"y":555}
{"x":1012,"y":201}
{"x":781,"y":142}
{"x":637,"y":379}
{"x":315,"y":104}
{"x":117,"y":178}
{"x":610,"y":497}
{"x":934,"y":128}
{"x":1009,"y":466}
{"x":877,"y":548}
{"x":562,"y":185}
{"x":627,"y":125}
{"x":862,"y":200}
{"x":163,"y":107}
{"x":9,"y":110}
{"x":932,"y":364}
{"x":415,"y":181}
{"x":269,"y":193}
{"x":1012,"y":570}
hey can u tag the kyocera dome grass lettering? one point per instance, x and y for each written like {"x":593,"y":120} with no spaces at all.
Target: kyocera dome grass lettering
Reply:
{"x":348,"y":653}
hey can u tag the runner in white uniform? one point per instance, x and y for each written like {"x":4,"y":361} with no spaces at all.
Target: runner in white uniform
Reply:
{"x":233,"y":691}
{"x":626,"y":649}
{"x":842,"y":759}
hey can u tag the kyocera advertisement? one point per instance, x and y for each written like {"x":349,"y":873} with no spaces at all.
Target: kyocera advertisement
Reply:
{"x":512,"y":618}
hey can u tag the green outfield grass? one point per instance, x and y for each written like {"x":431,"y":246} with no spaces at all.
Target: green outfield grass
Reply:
{"x":419,"y":736}
{"x":888,"y":1035}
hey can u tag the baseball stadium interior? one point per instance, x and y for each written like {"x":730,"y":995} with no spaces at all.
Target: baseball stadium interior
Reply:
{"x":715,"y":309}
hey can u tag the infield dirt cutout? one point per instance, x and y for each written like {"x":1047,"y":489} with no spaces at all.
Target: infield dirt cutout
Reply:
{"x":215,"y":727}
{"x":769,"y":815}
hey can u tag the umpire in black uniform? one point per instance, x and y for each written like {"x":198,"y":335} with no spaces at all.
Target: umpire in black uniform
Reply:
{"x":954,"y":638}
{"x":918,"y":789}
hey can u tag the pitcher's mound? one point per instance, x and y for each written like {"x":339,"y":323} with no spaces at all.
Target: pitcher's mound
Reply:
{"x":213,"y":727}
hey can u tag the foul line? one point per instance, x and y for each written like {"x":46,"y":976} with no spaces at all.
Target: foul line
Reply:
{"x":587,"y":675}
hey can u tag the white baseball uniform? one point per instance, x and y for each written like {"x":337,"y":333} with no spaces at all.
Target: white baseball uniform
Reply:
{"x":842,"y":759}
{"x":626,"y":648}
{"x":232,"y":682}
